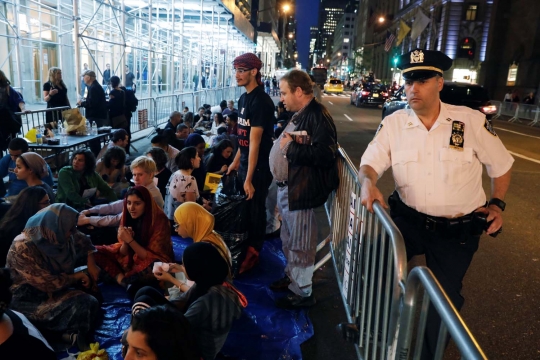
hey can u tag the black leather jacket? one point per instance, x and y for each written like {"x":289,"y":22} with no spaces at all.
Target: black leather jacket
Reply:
{"x":313,"y":171}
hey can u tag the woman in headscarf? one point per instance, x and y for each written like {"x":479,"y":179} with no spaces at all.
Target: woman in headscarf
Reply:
{"x":32,"y":168}
{"x":144,"y":236}
{"x":42,"y":260}
{"x":211,"y":304}
{"x":199,"y":174}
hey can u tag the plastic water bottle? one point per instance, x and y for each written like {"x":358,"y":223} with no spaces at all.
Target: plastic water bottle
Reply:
{"x":88,"y":130}
{"x":94,"y":128}
{"x":39,"y":138}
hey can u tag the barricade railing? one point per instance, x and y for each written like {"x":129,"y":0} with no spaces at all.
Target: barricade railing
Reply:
{"x":528,"y":112}
{"x":421,"y":278}
{"x":33,"y":118}
{"x":507,"y":109}
{"x":164,"y":106}
{"x":370,"y":263}
{"x":517,"y":111}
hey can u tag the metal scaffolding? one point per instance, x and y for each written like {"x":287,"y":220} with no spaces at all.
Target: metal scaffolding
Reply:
{"x":171,"y":46}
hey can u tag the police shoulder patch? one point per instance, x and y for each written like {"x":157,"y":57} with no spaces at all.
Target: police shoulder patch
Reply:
{"x":379,"y":128}
{"x":489,"y":128}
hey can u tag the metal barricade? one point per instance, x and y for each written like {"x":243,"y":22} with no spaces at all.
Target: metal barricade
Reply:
{"x":186,"y":99}
{"x":33,"y":118}
{"x":144,"y":116}
{"x":508,"y":109}
{"x":199,"y":98}
{"x":370,"y":263}
{"x":528,"y":112}
{"x":164,"y":106}
{"x":422,"y":277}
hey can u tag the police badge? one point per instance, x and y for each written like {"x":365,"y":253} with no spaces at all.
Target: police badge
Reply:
{"x":457,"y":139}
{"x":417,"y":56}
{"x":488,"y":127}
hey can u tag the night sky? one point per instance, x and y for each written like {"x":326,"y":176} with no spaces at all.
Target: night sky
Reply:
{"x":307,"y":14}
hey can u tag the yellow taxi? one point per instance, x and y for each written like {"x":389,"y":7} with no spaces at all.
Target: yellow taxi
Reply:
{"x":333,"y":86}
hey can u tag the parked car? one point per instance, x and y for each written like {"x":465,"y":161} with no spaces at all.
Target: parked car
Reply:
{"x":370,"y":94}
{"x":454,"y":93}
{"x":333,"y":86}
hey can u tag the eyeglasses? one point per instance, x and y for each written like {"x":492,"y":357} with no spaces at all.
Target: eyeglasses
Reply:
{"x":241,"y":71}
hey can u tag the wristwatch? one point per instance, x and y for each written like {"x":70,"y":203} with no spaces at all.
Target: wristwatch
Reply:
{"x":497,"y":202}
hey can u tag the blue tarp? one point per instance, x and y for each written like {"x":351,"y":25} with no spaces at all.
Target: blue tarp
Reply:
{"x":263,"y":332}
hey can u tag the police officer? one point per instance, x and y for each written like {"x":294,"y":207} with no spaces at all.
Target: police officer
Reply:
{"x":436,"y":152}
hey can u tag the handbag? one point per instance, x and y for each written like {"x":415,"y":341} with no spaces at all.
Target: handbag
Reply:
{"x":120,"y":121}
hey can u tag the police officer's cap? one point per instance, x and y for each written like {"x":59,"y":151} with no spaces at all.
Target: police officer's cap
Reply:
{"x":423,"y":64}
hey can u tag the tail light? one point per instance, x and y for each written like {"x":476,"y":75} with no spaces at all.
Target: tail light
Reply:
{"x":489,"y":109}
{"x":365,"y":93}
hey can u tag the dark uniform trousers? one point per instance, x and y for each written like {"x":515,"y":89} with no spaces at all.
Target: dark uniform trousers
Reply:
{"x":256,"y":207}
{"x":448,"y":252}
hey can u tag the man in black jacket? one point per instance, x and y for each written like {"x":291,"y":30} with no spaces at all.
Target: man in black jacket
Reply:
{"x":95,"y":105}
{"x":303,"y":163}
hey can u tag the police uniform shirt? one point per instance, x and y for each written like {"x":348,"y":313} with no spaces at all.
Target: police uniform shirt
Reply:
{"x":431,"y":175}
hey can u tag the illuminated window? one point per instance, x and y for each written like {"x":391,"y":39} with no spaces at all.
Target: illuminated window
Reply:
{"x":470,"y":15}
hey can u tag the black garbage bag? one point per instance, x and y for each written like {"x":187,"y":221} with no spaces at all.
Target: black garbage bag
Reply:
{"x":230,"y":217}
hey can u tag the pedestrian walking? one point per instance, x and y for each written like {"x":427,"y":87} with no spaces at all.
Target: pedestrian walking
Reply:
{"x":129,"y":82}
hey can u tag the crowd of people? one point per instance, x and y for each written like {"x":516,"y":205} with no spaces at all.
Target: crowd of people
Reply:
{"x":116,"y":217}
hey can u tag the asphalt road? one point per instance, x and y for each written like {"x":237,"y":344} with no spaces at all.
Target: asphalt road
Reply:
{"x":502,"y":286}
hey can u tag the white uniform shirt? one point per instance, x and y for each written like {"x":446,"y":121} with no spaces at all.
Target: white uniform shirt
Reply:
{"x":430,"y":175}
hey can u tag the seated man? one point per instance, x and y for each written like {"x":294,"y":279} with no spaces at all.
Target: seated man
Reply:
{"x":230,"y":108}
{"x":143,"y":169}
{"x":16,"y":147}
{"x":200,"y":115}
{"x":232,"y":124}
{"x":120,"y":138}
{"x":160,"y":141}
{"x":186,"y":110}
{"x":182,"y":132}
{"x":169,"y":131}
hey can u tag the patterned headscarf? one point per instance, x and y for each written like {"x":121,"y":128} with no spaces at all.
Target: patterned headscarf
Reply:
{"x":249,"y":61}
{"x":48,"y":229}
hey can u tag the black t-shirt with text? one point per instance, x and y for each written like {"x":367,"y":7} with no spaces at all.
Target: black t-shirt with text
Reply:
{"x":255,"y":109}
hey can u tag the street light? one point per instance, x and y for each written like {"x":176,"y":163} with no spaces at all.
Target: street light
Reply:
{"x":286,"y":8}
{"x":338,"y":54}
{"x":290,"y":36}
{"x":381,"y":19}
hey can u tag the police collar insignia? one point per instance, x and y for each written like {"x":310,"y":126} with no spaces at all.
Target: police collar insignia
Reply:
{"x":457,"y":139}
{"x":417,"y":57}
{"x":488,"y":127}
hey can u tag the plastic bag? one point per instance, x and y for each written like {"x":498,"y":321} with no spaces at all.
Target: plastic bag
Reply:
{"x":94,"y":353}
{"x":230,"y":217}
{"x":74,"y":121}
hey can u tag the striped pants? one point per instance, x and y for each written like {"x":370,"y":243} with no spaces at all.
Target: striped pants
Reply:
{"x":299,"y":242}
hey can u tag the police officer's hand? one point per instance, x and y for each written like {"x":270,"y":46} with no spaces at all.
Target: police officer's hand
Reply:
{"x":369,"y":193}
{"x":249,"y":189}
{"x":493,"y":213}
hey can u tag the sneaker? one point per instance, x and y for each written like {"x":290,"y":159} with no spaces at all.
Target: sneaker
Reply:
{"x":293,"y":301}
{"x":281,"y":284}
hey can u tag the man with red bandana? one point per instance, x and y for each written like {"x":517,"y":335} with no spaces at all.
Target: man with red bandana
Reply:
{"x":255,"y":131}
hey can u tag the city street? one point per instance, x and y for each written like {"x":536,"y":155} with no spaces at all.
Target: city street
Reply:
{"x":502,"y":286}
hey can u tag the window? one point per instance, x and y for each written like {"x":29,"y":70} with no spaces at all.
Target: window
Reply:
{"x":470,"y":15}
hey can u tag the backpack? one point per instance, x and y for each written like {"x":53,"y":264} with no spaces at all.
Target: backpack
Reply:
{"x":131,"y":100}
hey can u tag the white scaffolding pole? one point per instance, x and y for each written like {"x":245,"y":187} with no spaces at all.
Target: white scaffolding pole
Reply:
{"x":77,"y":46}
{"x":149,"y":72}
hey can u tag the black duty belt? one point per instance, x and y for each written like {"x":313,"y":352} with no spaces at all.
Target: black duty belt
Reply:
{"x":281,"y":183}
{"x":428,"y":222}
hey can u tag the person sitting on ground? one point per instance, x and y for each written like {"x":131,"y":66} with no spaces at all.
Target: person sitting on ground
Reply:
{"x":160,"y":333}
{"x":113,"y":169}
{"x":186,"y":110}
{"x":211,"y":305}
{"x":31,"y":168}
{"x":17,"y":147}
{"x":160,"y":141}
{"x":189,"y":121}
{"x":169,"y":131}
{"x":144,"y":236}
{"x":163,"y":174}
{"x":182,"y":186}
{"x":74,"y":180}
{"x":230,"y":109}
{"x":182,"y":132}
{"x":200,"y":116}
{"x":198,"y":142}
{"x":220,"y":158}
{"x":42,"y":260}
{"x":120,"y":139}
{"x":232,"y":124}
{"x":18,"y":337}
{"x":28,"y":203}
{"x":143,"y":169}
{"x":218,"y":122}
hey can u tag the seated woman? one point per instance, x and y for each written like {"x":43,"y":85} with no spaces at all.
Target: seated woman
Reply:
{"x":182,"y":187}
{"x":144,"y":236}
{"x":42,"y":260}
{"x":161,"y":333}
{"x":220,"y":158}
{"x":74,"y":180}
{"x":218,"y":122}
{"x":18,"y":337}
{"x":28,"y":203}
{"x":112,"y":169}
{"x":31,"y":168}
{"x":163,"y":174}
{"x":199,"y":174}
